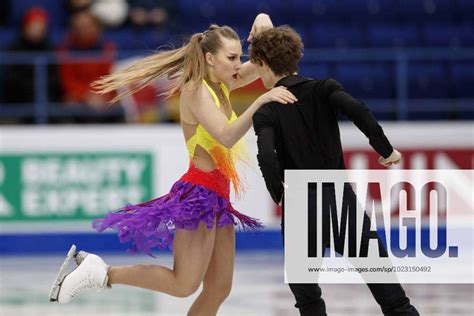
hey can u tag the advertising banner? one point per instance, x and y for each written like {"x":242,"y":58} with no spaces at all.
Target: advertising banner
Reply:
{"x":71,"y":186}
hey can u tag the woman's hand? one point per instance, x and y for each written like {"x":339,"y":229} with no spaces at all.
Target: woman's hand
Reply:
{"x":262,"y":22}
{"x":393,"y":159}
{"x":279,"y":94}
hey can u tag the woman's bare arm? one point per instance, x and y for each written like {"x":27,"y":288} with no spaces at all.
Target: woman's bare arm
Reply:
{"x":248,"y":72}
{"x":202,"y":105}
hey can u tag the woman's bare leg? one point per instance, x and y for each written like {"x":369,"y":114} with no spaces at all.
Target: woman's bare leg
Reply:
{"x":218,"y":279}
{"x":192,"y":252}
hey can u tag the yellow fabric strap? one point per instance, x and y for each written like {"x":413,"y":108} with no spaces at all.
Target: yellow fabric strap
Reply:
{"x":202,"y":136}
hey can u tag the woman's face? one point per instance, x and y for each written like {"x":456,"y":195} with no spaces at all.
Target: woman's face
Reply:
{"x":225,"y":64}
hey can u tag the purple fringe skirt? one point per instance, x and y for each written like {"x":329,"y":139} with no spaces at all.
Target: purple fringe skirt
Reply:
{"x":152,"y":224}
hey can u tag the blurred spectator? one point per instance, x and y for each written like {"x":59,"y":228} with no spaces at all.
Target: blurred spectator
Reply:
{"x":74,"y":6}
{"x":146,"y":105}
{"x":77,"y":72}
{"x":4,"y":9}
{"x":111,"y":13}
{"x":158,"y":13}
{"x":19,"y":81}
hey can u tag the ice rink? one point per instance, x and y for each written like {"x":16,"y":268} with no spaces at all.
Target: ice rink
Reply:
{"x":258,"y":290}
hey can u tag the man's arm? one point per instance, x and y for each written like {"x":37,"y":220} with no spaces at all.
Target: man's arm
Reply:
{"x":357,"y":112}
{"x":267,"y":155}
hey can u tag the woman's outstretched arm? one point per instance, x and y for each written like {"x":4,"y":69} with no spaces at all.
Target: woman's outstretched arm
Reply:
{"x":248,"y":72}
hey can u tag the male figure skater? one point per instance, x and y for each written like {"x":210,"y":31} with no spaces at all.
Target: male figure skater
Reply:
{"x":306,"y":136}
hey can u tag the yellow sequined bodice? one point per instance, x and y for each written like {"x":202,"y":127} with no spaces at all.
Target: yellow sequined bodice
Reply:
{"x":224,"y":158}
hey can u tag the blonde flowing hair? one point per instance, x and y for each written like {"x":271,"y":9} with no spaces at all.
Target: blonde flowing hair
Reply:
{"x":185,"y":64}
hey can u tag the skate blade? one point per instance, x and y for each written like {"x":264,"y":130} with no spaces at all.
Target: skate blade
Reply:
{"x":54,"y":293}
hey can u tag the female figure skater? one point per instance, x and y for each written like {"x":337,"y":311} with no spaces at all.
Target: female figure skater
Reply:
{"x":197,"y":208}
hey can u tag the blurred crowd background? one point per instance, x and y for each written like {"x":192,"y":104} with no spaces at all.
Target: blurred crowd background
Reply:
{"x":408,"y":60}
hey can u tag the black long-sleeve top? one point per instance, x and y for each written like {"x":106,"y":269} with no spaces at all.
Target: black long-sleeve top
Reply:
{"x":306,"y":135}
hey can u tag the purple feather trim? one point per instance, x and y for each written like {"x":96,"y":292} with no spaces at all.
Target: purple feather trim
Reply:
{"x":152,"y":224}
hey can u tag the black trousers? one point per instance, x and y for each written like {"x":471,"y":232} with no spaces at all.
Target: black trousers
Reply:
{"x":391,"y":297}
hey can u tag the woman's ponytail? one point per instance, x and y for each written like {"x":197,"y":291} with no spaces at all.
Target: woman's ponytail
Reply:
{"x":185,"y":65}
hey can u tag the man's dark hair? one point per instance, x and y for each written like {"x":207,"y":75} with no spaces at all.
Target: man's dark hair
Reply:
{"x":279,"y":47}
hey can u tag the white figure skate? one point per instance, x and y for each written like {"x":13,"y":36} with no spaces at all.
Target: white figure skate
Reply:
{"x":90,"y":274}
